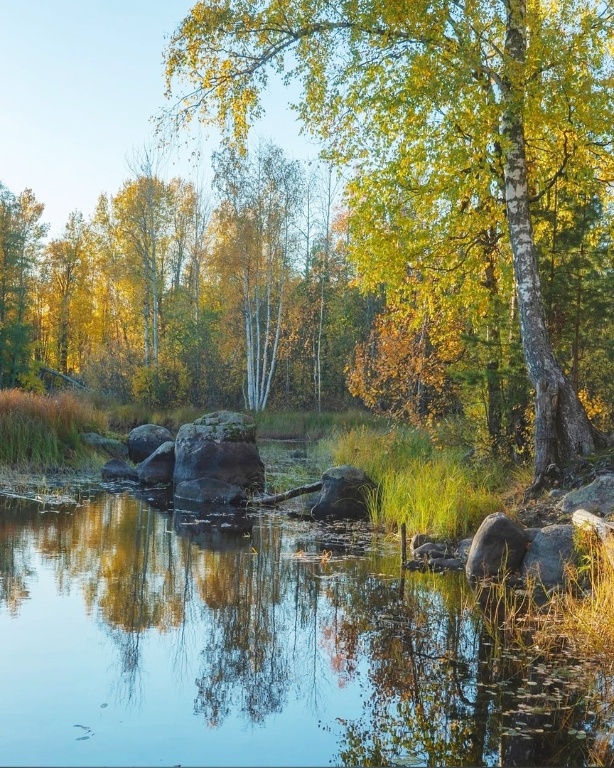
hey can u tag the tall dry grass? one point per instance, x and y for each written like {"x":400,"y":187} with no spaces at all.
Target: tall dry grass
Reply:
{"x":43,"y":431}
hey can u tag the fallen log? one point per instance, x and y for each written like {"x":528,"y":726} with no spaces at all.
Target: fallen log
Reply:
{"x":63,"y":376}
{"x":277,"y":498}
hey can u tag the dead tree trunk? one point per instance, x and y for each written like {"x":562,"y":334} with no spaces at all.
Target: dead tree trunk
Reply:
{"x":277,"y":498}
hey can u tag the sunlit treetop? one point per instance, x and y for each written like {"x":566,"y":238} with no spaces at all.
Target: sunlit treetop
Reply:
{"x":380,"y":78}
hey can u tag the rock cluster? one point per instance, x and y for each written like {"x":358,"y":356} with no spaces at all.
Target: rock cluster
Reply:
{"x":502,"y":546}
{"x":210,"y":465}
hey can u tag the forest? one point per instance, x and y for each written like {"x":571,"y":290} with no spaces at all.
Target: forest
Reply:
{"x":391,"y":272}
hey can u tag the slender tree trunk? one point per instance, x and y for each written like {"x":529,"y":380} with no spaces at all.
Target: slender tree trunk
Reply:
{"x":562,"y":429}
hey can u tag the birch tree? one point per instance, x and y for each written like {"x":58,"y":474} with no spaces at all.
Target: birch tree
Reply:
{"x":256,"y":245}
{"x":449,"y":100}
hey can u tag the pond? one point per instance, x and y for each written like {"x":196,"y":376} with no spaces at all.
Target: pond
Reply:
{"x":124,"y":643}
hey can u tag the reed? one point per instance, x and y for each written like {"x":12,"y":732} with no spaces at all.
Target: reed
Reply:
{"x":43,"y":431}
{"x":585,"y":610}
{"x":429,"y":490}
{"x":311,"y":425}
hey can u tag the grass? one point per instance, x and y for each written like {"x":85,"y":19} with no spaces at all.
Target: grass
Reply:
{"x":43,"y":431}
{"x":585,"y":612}
{"x":436,"y":491}
{"x":311,"y":425}
{"x":278,"y":425}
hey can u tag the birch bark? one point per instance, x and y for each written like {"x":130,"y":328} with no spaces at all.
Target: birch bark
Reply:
{"x":562,"y":429}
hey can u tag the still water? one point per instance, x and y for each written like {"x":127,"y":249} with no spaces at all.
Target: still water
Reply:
{"x":124,"y":643}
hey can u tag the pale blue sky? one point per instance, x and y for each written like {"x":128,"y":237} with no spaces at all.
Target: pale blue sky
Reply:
{"x":79,"y":81}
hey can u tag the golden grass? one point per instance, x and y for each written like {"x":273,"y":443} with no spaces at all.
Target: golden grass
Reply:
{"x":43,"y":431}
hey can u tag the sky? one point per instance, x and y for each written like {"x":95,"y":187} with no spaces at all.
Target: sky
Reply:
{"x":80,"y":81}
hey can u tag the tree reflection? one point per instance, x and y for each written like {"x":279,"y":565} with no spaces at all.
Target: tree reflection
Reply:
{"x":258,"y":642}
{"x":15,"y":559}
{"x":274,"y":622}
{"x":443,"y":691}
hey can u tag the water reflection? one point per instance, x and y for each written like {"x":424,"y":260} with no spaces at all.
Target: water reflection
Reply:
{"x":274,"y":619}
{"x":445,"y":691}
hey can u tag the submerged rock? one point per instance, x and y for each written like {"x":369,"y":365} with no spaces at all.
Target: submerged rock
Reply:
{"x":116,"y":469}
{"x":195,"y":494}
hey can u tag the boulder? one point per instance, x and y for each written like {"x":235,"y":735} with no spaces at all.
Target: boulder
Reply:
{"x":463,"y":549}
{"x":107,"y":445}
{"x":116,"y":469}
{"x":445,"y":564}
{"x":499,"y":545}
{"x":550,"y":551}
{"x":344,"y":494}
{"x":597,"y":497}
{"x":418,"y":539}
{"x":201,"y":450}
{"x":430,"y":551}
{"x":194,"y":494}
{"x":143,"y":441}
{"x":159,"y":467}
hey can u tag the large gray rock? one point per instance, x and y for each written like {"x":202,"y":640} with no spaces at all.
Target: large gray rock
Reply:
{"x":551,"y":550}
{"x":499,"y":545}
{"x":345,"y":493}
{"x":597,"y":497}
{"x":159,"y":467}
{"x":194,"y":494}
{"x":143,"y":441}
{"x":202,"y":450}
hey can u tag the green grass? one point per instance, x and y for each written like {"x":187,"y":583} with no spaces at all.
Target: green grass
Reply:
{"x":280,"y":425}
{"x":432,"y":491}
{"x":311,"y":425}
{"x":43,"y":431}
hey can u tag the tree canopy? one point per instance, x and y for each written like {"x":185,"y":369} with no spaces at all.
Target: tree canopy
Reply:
{"x":456,"y":117}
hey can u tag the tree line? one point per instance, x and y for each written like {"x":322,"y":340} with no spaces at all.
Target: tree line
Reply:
{"x":249,"y":296}
{"x":170,"y":294}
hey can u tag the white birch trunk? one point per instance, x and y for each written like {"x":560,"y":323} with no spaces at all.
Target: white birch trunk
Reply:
{"x":562,"y":429}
